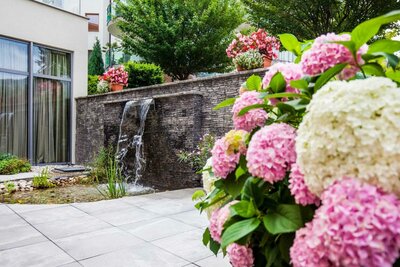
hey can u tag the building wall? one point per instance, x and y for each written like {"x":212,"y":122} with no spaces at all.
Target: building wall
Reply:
{"x":42,"y":24}
{"x":181,"y":114}
{"x":100,"y":7}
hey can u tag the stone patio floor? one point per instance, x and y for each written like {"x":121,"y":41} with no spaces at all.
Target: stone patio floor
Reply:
{"x":161,"y":229}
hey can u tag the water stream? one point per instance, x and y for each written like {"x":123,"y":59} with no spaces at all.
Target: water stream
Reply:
{"x":126,"y":142}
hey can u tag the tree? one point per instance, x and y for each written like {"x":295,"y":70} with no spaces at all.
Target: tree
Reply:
{"x":308,"y":19}
{"x":96,"y":64}
{"x":181,"y":36}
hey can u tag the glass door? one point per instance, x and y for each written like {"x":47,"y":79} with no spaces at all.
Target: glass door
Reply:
{"x":14,"y":97}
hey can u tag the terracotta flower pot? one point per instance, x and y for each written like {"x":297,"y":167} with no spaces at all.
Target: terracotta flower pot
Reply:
{"x":239,"y":68}
{"x":116,"y":87}
{"x":267,"y":62}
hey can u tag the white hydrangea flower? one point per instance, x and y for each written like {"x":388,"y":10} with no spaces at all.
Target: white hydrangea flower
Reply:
{"x":352,"y":129}
{"x":208,"y":177}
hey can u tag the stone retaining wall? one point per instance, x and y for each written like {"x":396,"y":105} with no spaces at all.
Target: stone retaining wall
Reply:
{"x":181,"y":114}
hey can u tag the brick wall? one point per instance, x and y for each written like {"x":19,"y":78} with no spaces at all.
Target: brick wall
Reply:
{"x":180,"y":115}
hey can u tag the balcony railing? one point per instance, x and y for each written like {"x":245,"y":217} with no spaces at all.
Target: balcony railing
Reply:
{"x":73,"y":6}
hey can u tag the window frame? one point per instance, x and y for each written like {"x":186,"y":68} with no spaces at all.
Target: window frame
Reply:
{"x":31,"y":75}
{"x":93,"y":27}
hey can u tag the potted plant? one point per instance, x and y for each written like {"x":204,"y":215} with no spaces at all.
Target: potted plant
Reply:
{"x":116,"y":77}
{"x":267,"y":45}
{"x":251,"y":59}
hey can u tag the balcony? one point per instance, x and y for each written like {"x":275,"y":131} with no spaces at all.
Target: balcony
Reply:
{"x":112,"y":19}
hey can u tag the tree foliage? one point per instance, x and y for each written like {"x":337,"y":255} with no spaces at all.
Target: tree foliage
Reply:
{"x":310,"y":18}
{"x":181,"y":36}
{"x":96,"y":64}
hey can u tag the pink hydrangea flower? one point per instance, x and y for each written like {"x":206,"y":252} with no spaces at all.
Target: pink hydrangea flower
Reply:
{"x":357,"y":225}
{"x":290,"y":72}
{"x":253,"y":118}
{"x":299,"y":189}
{"x":218,"y":219}
{"x":223,"y":163}
{"x":271,"y":151}
{"x":240,"y":256}
{"x":324,"y":54}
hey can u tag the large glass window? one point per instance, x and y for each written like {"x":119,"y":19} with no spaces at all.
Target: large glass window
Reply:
{"x":35,"y":102}
{"x":13,"y":97}
{"x":14,"y":114}
{"x":51,"y":105}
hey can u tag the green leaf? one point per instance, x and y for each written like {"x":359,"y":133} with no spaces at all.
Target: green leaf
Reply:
{"x":349,"y":44}
{"x":285,"y":108}
{"x":284,"y":219}
{"x":226,"y":103}
{"x":271,"y":254}
{"x":373,"y":69}
{"x":253,"y":190}
{"x":234,"y":186}
{"x":214,"y":246}
{"x":290,"y":42}
{"x":198,"y":194}
{"x":254,"y":82}
{"x":255,"y":106}
{"x":394,"y":75}
{"x":392,"y":59}
{"x":300,"y":84}
{"x":277,"y":83}
{"x":368,"y":29}
{"x":387,"y":46}
{"x":298,"y":104}
{"x":239,"y":172}
{"x":327,"y":75}
{"x":280,"y":95}
{"x":244,"y":209}
{"x":206,"y":236}
{"x":285,"y":243}
{"x":238,"y":230}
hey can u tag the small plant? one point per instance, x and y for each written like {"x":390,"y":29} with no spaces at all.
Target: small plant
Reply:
{"x":102,"y":87}
{"x":198,"y":157}
{"x":116,"y":187}
{"x":10,"y":164}
{"x":10,"y":187}
{"x":249,"y":60}
{"x":93,"y":81}
{"x":100,"y":164}
{"x":42,"y":180}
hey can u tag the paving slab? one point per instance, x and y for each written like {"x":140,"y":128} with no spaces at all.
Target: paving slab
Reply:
{"x":143,"y":255}
{"x":44,"y":254}
{"x":49,"y":215}
{"x":157,"y":228}
{"x":72,"y":226}
{"x":19,"y":236}
{"x":95,"y":243}
{"x":187,"y":245}
{"x":19,"y":176}
{"x":161,"y":229}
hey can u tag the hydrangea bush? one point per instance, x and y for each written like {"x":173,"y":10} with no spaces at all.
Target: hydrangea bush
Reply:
{"x":310,"y":175}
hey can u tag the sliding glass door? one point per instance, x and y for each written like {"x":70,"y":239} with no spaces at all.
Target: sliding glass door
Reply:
{"x":35,"y":102}
{"x":14,"y":98}
{"x":51,"y":105}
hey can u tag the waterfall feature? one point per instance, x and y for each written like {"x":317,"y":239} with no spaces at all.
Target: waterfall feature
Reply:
{"x":128,"y":142}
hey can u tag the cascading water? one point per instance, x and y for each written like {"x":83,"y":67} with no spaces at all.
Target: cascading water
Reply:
{"x":135,"y":143}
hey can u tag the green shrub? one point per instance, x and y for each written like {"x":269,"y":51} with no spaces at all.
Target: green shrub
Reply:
{"x":6,"y":156}
{"x":42,"y":180}
{"x":143,"y":74}
{"x":249,"y":60}
{"x":13,"y":165}
{"x":10,"y":187}
{"x":93,"y":80}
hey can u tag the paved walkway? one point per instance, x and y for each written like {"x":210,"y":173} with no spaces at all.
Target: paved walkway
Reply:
{"x":158,"y":230}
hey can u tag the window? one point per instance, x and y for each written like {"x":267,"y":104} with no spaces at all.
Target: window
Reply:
{"x":37,"y":127}
{"x":93,"y":22}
